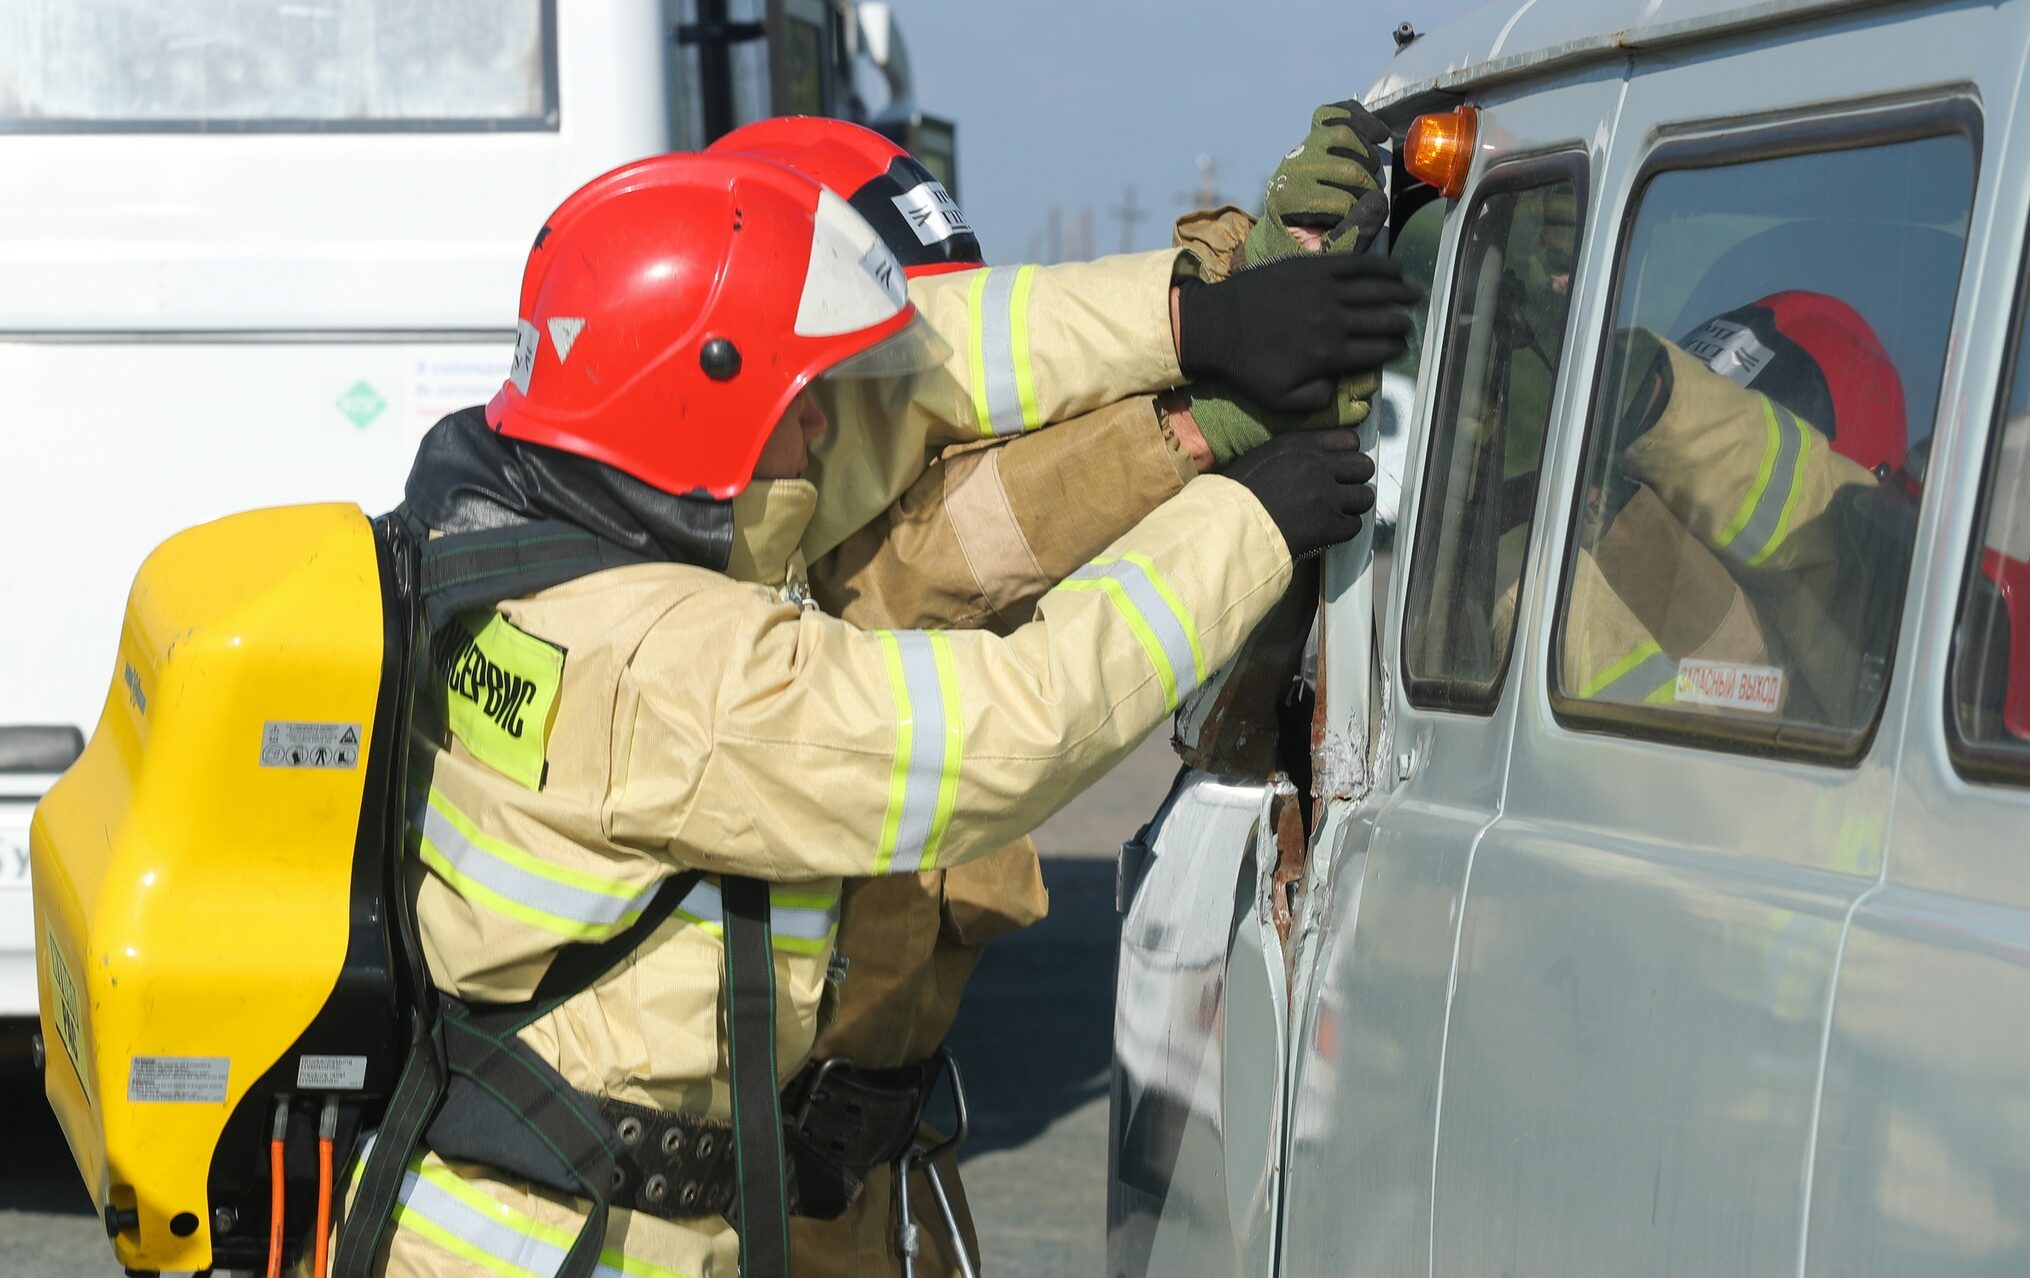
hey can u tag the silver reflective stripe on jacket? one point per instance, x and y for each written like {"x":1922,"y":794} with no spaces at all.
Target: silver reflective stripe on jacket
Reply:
{"x":1003,"y":380}
{"x":923,"y":784}
{"x":1763,"y":521}
{"x":799,"y":922}
{"x":1155,"y":614}
{"x":1646,"y":675}
{"x":436,"y":1204}
{"x":492,"y":874}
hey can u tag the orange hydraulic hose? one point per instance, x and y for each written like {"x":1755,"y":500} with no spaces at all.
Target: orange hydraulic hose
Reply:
{"x":275,"y":1199}
{"x":326,"y":1130}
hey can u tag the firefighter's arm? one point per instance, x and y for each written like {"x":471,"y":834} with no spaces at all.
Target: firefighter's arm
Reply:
{"x":1030,"y":346}
{"x":796,"y":745}
{"x":977,"y":540}
{"x":1748,"y":477}
{"x":1036,"y":345}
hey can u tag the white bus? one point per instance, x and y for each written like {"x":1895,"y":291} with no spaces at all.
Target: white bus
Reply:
{"x":250,"y":252}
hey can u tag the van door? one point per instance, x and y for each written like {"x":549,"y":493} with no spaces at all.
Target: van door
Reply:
{"x":1389,"y":871}
{"x":1922,"y":1161}
{"x":1700,"y":787}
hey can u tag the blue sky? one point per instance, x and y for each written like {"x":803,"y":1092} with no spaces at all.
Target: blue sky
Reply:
{"x":1070,"y":102}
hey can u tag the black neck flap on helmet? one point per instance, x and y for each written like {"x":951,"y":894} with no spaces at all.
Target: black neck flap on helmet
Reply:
{"x":466,"y":478}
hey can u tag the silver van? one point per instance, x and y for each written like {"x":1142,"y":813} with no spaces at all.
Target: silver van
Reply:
{"x":1636,"y":879}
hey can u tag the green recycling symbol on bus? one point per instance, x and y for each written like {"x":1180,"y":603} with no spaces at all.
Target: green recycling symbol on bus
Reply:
{"x":361,"y":404}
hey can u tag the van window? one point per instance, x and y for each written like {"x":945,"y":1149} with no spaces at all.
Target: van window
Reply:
{"x":1743,"y":533}
{"x":1990,"y":678}
{"x":1505,"y":334}
{"x":198,"y":65}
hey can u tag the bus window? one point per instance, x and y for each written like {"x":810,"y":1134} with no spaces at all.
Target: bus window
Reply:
{"x":1743,"y":533}
{"x":1504,"y":343}
{"x":254,"y":65}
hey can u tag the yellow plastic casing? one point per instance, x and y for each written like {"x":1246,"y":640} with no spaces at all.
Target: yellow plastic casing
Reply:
{"x":191,"y":901}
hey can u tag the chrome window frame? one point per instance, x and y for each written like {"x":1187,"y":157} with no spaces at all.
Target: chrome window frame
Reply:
{"x":1451,"y":695}
{"x":1863,"y":126}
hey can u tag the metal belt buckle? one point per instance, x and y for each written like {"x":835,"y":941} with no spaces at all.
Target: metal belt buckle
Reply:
{"x":918,"y":1158}
{"x":824,"y":1071}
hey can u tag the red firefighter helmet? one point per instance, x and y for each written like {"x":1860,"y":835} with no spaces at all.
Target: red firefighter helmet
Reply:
{"x":1817,"y":357}
{"x":917,"y":218}
{"x":672,"y":309}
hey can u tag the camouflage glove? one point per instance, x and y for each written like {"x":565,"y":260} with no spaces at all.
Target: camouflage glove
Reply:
{"x":1232,"y":425}
{"x":1330,"y":182}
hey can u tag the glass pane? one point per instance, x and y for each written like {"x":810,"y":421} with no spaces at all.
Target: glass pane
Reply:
{"x":314,"y":62}
{"x":1506,"y":334}
{"x":1766,"y":402}
{"x":1416,"y":251}
{"x":1991,"y":655}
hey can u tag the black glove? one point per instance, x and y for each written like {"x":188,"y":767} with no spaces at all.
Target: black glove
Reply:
{"x":1283,"y":334}
{"x":1315,"y":484}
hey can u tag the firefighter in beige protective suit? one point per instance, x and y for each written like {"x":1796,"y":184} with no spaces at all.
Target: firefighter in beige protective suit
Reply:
{"x":975,"y":543}
{"x":607,"y":1046}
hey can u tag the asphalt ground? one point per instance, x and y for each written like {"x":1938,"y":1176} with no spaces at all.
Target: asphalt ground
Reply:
{"x":1034,"y":1041}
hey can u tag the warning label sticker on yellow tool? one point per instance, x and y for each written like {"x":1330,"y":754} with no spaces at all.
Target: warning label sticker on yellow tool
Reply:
{"x":69,"y":1025}
{"x":309,"y":745}
{"x":197,"y":1080}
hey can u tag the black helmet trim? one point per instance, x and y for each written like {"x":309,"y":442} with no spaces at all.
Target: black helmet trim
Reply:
{"x":1745,"y":346}
{"x":917,"y":218}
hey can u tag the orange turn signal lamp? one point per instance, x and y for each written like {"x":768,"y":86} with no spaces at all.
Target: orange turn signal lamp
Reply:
{"x":1439,"y":150}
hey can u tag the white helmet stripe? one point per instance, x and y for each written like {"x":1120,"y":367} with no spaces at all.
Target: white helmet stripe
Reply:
{"x":853,"y":281}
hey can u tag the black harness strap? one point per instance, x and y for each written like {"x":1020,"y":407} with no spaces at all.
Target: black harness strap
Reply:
{"x":757,"y":1100}
{"x":471,"y":1087}
{"x":479,"y":569}
{"x":468,"y":1069}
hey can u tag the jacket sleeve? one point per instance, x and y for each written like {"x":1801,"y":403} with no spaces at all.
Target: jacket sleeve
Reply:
{"x":1033,"y":345}
{"x":1215,"y":237}
{"x":1030,"y":346}
{"x":1748,"y":477}
{"x":753,"y":738}
{"x":977,"y":540}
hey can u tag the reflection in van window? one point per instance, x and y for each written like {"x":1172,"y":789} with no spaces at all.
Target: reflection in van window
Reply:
{"x":1750,"y":496}
{"x":310,"y":63}
{"x":1991,"y":652}
{"x":1506,"y":333}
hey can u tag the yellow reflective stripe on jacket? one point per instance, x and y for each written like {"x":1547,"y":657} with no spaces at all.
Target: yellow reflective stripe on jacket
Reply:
{"x":923,"y":784}
{"x":437,"y":1204}
{"x":1155,"y":614}
{"x":798,"y":922}
{"x":1003,"y":380}
{"x":493,"y":874}
{"x":1758,"y":528}
{"x":1641,"y":676}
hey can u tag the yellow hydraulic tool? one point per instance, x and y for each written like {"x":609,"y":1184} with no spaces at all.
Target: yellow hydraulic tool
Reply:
{"x":213,"y":881}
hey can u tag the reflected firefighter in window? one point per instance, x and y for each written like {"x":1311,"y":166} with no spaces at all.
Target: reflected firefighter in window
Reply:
{"x":1744,"y":552}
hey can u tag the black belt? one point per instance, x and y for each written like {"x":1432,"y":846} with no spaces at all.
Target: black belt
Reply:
{"x":840,"y":1122}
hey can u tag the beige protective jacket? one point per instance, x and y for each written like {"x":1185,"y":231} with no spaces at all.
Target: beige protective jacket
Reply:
{"x":691,"y":721}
